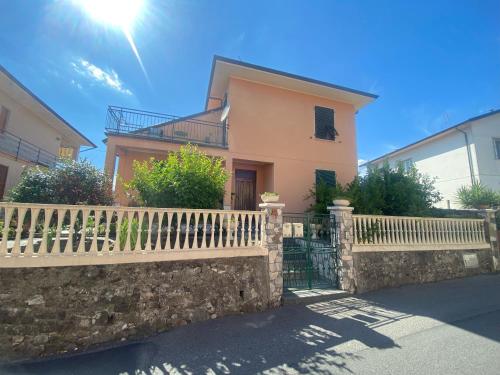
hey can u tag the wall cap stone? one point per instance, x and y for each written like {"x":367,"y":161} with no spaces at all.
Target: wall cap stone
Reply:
{"x":271,"y":205}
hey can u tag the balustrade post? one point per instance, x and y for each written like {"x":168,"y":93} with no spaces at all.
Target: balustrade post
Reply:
{"x":273,"y":242}
{"x":490,"y":232}
{"x":341,"y":215}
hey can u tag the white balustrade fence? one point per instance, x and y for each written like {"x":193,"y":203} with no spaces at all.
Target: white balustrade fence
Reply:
{"x":401,"y":230}
{"x":51,"y":232}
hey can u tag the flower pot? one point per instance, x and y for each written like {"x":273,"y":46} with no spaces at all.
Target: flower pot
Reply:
{"x":269,"y":198}
{"x":341,"y":202}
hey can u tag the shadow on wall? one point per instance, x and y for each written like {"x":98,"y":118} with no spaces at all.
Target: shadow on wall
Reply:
{"x":297,"y":339}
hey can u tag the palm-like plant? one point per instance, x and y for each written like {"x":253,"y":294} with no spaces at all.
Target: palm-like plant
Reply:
{"x":477,"y":195}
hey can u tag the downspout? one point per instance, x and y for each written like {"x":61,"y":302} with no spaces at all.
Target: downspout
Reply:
{"x":469,"y":155}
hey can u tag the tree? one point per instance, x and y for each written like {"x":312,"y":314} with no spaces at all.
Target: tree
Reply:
{"x":477,"y":196}
{"x":187,"y":178}
{"x":69,"y":182}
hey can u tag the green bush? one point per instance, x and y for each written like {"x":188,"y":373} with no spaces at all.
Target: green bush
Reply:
{"x":187,"y":178}
{"x":134,"y":233}
{"x":382,"y":191}
{"x":69,"y":182}
{"x":477,"y":196}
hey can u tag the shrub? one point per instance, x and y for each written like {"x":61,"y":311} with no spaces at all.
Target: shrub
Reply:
{"x":69,"y":182}
{"x":477,"y":196}
{"x":382,"y":191}
{"x":187,"y":178}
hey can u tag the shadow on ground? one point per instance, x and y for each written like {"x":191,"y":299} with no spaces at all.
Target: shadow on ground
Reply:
{"x":294,"y":339}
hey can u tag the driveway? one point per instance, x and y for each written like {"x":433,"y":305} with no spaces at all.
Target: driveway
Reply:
{"x":452,"y":327}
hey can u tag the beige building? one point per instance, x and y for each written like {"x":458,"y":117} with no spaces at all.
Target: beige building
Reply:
{"x":31,"y":133}
{"x":275,"y":131}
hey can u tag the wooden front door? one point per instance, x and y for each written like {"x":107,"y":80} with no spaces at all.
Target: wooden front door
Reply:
{"x":245,"y":190}
{"x":3,"y":179}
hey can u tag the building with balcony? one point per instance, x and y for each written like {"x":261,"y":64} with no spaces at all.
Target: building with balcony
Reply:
{"x":31,"y":133}
{"x":275,"y":131}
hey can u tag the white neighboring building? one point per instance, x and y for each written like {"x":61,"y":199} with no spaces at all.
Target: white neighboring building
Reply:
{"x":459,"y":155}
{"x":31,"y":133}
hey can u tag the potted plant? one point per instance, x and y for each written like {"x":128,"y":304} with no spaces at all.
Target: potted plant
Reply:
{"x":269,"y":197}
{"x":341,"y":200}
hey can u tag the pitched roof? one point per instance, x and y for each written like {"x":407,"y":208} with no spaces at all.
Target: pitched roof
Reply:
{"x":431,"y":137}
{"x":44,"y":105}
{"x":223,"y":67}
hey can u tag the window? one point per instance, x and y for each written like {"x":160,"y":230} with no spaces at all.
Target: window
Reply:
{"x":66,"y":152}
{"x":407,"y":164}
{"x":496,"y":143}
{"x":324,"y":123}
{"x":327,"y":177}
{"x":4,"y":117}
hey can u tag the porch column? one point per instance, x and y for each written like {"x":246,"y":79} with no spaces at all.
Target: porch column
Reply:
{"x":341,"y":217}
{"x":490,"y":227}
{"x":109,"y":163}
{"x":229,"y":184}
{"x":273,"y":242}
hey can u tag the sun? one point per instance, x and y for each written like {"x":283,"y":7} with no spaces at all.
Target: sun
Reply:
{"x":115,"y":13}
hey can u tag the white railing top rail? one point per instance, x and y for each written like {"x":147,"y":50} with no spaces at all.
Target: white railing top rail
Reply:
{"x":44,"y":234}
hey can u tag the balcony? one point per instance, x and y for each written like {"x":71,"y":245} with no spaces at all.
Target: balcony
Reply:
{"x":23,"y":150}
{"x":204,"y":129}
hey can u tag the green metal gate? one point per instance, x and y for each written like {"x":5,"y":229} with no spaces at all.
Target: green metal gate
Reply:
{"x":309,"y":251}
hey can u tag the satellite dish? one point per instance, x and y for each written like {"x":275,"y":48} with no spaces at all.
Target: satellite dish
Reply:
{"x":225,"y":112}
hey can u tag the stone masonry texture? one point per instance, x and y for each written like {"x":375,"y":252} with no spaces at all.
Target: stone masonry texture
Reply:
{"x":383,"y":269}
{"x":46,"y":311}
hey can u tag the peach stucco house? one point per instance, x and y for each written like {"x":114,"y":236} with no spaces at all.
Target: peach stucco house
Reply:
{"x":275,"y":131}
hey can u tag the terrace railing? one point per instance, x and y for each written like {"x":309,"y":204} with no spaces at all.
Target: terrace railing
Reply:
{"x":35,"y":235}
{"x":204,"y":129}
{"x":392,"y":231}
{"x":23,"y":150}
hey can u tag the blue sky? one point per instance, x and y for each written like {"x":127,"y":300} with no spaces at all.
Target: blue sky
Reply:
{"x":433,"y":63}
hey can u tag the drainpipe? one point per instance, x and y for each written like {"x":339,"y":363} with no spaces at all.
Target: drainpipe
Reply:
{"x":469,"y":155}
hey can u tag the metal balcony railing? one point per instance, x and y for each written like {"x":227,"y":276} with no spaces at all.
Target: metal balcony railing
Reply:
{"x":203,"y":129}
{"x":23,"y":150}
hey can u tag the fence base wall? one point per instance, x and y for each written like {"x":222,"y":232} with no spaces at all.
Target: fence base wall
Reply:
{"x":54,"y":310}
{"x":382,"y":269}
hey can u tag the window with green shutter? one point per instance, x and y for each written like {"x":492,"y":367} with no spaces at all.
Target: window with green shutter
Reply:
{"x":324,"y":123}
{"x":328,"y":177}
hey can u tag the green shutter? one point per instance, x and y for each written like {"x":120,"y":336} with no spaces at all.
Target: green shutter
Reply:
{"x":328,"y":177}
{"x":324,"y":123}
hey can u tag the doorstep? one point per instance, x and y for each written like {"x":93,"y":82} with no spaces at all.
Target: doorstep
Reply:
{"x":306,"y":296}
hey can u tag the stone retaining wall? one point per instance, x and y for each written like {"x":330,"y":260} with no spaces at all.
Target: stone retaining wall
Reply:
{"x":381,"y":269}
{"x":46,"y":311}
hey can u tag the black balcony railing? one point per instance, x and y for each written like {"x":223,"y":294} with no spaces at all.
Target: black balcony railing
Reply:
{"x":23,"y":150}
{"x":203,"y":129}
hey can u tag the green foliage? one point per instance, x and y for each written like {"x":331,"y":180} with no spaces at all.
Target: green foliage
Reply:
{"x":69,"y":182}
{"x":188,"y":178}
{"x":477,"y":196}
{"x":382,"y":191}
{"x":134,"y":233}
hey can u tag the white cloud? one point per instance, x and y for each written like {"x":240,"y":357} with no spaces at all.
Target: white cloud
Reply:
{"x":106,"y":78}
{"x":361,"y":161}
{"x":76,"y":84}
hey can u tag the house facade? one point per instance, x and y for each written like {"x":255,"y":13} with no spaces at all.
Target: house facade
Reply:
{"x":275,"y":132}
{"x":31,"y":133}
{"x":460,"y":155}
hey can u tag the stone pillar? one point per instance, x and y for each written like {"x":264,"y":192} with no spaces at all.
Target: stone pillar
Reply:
{"x":273,"y":242}
{"x":341,"y":215}
{"x":490,"y":227}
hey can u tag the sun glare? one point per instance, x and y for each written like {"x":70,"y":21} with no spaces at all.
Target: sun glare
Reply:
{"x":116,"y":13}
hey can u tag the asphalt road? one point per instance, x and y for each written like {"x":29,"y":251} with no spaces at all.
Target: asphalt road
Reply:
{"x":451,"y":327}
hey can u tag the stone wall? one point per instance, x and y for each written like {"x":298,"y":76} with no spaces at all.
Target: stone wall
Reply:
{"x":45,"y":311}
{"x":381,"y":269}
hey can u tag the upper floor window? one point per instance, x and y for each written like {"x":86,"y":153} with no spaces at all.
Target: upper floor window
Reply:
{"x":496,"y":143}
{"x":66,"y":152}
{"x":408,"y":164}
{"x":4,"y":117}
{"x":324,"y":123}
